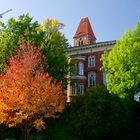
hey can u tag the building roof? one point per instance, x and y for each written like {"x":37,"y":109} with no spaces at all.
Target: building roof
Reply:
{"x":100,"y":46}
{"x":84,"y":28}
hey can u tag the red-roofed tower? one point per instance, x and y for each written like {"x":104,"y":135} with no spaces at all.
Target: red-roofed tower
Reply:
{"x":86,"y":54}
{"x":84,"y":34}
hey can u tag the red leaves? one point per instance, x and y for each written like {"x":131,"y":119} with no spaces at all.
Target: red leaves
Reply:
{"x":26,"y":92}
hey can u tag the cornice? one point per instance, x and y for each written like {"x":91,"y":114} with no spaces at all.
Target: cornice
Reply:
{"x":80,"y":77}
{"x":101,"y":46}
{"x":78,"y":57}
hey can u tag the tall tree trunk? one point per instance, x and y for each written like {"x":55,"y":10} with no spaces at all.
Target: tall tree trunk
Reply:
{"x":26,"y":132}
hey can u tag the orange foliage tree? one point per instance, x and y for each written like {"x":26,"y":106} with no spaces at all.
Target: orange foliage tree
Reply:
{"x":27,"y":95}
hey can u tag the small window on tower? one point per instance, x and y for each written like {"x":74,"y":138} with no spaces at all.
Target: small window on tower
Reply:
{"x":81,"y":42}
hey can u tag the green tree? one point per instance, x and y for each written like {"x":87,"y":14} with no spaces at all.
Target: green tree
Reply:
{"x":99,"y":115}
{"x":55,"y":50}
{"x":123,"y":64}
{"x":47,"y":36}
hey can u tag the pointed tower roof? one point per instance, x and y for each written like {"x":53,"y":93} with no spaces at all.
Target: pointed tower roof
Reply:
{"x":84,"y":28}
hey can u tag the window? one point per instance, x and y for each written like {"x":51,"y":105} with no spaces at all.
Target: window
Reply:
{"x":91,"y":61}
{"x":80,"y":68}
{"x":74,"y":89}
{"x":81,"y":42}
{"x":91,"y":79}
{"x":81,"y":89}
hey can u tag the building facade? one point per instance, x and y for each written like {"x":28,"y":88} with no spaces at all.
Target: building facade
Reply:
{"x":86,"y":54}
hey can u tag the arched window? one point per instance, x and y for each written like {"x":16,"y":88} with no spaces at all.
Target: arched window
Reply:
{"x":74,"y":89}
{"x":91,"y":79}
{"x":80,"y":68}
{"x":81,"y":42}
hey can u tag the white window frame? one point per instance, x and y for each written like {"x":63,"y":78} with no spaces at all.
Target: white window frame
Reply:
{"x":91,"y":61}
{"x":91,"y":79}
{"x":81,"y":89}
{"x":80,"y":68}
{"x":74,"y":89}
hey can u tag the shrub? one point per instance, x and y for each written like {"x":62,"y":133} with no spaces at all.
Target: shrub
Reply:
{"x":99,"y":115}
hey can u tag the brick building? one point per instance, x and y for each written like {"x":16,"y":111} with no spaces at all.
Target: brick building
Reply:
{"x":86,"y":53}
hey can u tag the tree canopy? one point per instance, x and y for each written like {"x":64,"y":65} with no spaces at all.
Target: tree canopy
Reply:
{"x":46,"y":36}
{"x":99,"y":115}
{"x":27,"y":95}
{"x":123,"y":64}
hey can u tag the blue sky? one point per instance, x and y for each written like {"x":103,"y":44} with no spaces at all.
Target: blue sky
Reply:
{"x":109,"y":18}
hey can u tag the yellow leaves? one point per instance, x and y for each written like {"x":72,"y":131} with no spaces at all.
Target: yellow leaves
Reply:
{"x":39,"y":30}
{"x":39,"y":124}
{"x":53,"y":24}
{"x":11,"y":125}
{"x":3,"y":116}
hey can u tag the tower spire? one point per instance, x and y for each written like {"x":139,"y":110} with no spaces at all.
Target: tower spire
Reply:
{"x":84,"y":34}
